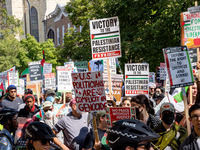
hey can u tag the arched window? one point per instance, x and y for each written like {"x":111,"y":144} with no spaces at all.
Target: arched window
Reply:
{"x":34,"y":23}
{"x":50,"y":35}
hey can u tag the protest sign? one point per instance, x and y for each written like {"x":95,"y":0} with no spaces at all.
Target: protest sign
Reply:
{"x":49,"y":81}
{"x":69,"y":65}
{"x":82,"y":66}
{"x":163,"y":71}
{"x":13,"y":78}
{"x":167,"y":85}
{"x":89,"y":91}
{"x":152,"y":77}
{"x":119,"y":113}
{"x":34,"y":87}
{"x":117,"y":82}
{"x":35,"y":71}
{"x":20,"y":88}
{"x":136,"y":79}
{"x":178,"y":66}
{"x":47,"y":68}
{"x":193,"y":56}
{"x":105,"y":38}
{"x":112,"y":64}
{"x":64,"y":82}
{"x":190,"y":29}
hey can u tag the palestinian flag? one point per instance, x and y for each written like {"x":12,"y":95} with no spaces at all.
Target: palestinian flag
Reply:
{"x":177,"y":94}
{"x":105,"y":35}
{"x":39,"y":114}
{"x":1,"y":86}
{"x":186,"y":23}
{"x":137,"y":77}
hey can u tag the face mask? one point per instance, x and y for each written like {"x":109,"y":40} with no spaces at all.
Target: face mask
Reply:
{"x":50,"y":98}
{"x":49,"y":114}
{"x":168,"y":119}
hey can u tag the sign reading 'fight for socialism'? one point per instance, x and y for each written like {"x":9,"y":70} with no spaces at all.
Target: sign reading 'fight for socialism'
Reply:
{"x":89,"y":91}
{"x":137,"y":79}
{"x":105,"y":38}
{"x":178,"y":66}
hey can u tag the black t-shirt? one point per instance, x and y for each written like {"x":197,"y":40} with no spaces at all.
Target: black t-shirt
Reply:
{"x":90,"y":139}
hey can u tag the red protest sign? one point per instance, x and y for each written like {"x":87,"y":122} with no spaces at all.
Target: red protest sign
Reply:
{"x":119,"y":113}
{"x":89,"y":91}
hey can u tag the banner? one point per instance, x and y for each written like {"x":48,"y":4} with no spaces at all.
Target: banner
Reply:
{"x":13,"y":78}
{"x":20,"y":88}
{"x":152,"y":77}
{"x":105,"y":38}
{"x":117,"y":82}
{"x":47,"y":68}
{"x":35,"y":71}
{"x":64,"y":81}
{"x":120,"y":113}
{"x":112,"y":64}
{"x":49,"y":81}
{"x":136,"y":79}
{"x":163,"y":71}
{"x":178,"y":66}
{"x":89,"y":91}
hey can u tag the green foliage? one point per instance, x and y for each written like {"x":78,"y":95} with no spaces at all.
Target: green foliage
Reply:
{"x":146,"y":27}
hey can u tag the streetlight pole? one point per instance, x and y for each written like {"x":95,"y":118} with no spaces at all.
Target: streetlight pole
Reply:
{"x":29,"y":14}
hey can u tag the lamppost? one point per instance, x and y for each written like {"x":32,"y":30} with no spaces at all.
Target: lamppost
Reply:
{"x":29,"y":14}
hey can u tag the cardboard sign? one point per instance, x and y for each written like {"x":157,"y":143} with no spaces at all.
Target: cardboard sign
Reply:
{"x":178,"y":66}
{"x":120,"y":113}
{"x":64,"y":81}
{"x":35,"y":71}
{"x":136,"y":79}
{"x":20,"y":88}
{"x":163,"y":71}
{"x":47,"y":68}
{"x":105,"y":38}
{"x":117,"y":82}
{"x":32,"y":86}
{"x":89,"y":91}
{"x":193,"y":56}
{"x":190,"y":29}
{"x":13,"y":78}
{"x":49,"y":81}
{"x":152,"y":77}
{"x":112,"y":64}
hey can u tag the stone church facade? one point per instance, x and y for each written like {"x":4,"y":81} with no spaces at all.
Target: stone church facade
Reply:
{"x":39,"y":10}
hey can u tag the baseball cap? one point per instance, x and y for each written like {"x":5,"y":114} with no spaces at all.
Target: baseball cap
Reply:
{"x":47,"y":104}
{"x":58,"y":95}
{"x":100,"y":114}
{"x":167,"y":106}
{"x":49,"y":91}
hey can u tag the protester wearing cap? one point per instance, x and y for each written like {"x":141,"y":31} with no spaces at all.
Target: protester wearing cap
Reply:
{"x":50,"y":119}
{"x":30,"y":109}
{"x":74,"y":127}
{"x":89,"y":142}
{"x":152,"y":87}
{"x":58,"y":98}
{"x":49,"y":95}
{"x":11,"y":101}
{"x":171,"y":134}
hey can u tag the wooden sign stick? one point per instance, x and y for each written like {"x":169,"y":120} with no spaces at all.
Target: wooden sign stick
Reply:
{"x":95,"y":128}
{"x":64,"y":98}
{"x":186,"y":110}
{"x":109,"y":77}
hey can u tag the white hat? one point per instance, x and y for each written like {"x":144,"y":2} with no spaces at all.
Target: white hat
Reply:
{"x":152,"y":84}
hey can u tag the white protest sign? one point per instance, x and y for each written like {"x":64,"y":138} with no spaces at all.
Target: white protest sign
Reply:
{"x":152,"y":77}
{"x":89,"y":91}
{"x":49,"y":81}
{"x":47,"y":68}
{"x":112,"y":64}
{"x":69,"y":65}
{"x":163,"y":71}
{"x":105,"y":38}
{"x":20,"y":88}
{"x":136,"y":79}
{"x":178,"y":65}
{"x":167,"y":85}
{"x":64,"y":82}
{"x":13,"y":78}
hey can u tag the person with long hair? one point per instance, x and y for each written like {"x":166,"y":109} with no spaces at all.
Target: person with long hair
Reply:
{"x":145,"y":111}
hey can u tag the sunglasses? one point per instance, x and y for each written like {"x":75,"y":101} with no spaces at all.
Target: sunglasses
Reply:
{"x":44,"y":141}
{"x":145,"y":145}
{"x":50,"y":109}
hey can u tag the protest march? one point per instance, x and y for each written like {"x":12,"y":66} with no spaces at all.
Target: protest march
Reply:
{"x":100,"y":105}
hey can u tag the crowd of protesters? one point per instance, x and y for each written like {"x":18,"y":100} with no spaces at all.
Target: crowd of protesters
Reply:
{"x":165,"y":131}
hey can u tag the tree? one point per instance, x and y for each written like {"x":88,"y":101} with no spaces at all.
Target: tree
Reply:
{"x":35,"y":51}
